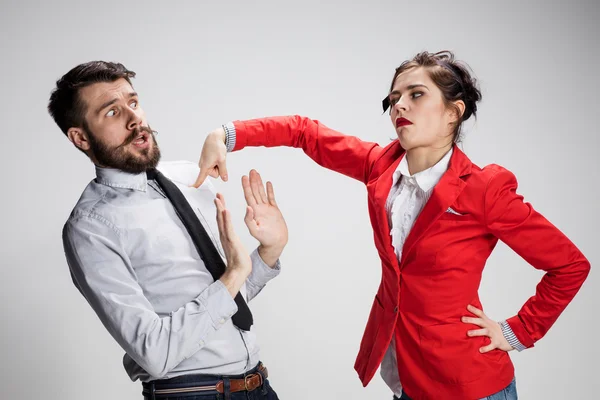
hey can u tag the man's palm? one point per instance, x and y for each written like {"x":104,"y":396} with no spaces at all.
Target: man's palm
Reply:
{"x":263,"y":217}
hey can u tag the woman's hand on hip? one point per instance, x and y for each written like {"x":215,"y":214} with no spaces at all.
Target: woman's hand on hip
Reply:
{"x":489,"y":328}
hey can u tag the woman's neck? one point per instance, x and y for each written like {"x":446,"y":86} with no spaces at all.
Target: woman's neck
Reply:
{"x":421,"y":158}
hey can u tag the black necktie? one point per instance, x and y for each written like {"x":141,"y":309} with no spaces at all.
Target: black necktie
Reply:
{"x":208,"y":252}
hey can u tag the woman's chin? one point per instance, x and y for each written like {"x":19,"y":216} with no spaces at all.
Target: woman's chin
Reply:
{"x":405,"y":143}
{"x":409,"y":141}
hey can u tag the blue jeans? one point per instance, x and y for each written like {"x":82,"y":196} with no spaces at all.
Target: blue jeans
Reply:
{"x":264,"y":392}
{"x":508,"y":393}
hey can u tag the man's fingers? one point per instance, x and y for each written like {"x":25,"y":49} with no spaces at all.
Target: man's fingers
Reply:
{"x":222,"y":199}
{"x":478,"y":332}
{"x":223,"y":218}
{"x":261,"y":188}
{"x":228,"y":225}
{"x":254,"y":183}
{"x":219,"y":202}
{"x":220,"y":209}
{"x":271,"y":194}
{"x":249,"y":219}
{"x":249,"y":214}
{"x":248,"y":191}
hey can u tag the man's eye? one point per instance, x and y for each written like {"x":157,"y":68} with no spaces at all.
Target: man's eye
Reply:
{"x":111,"y":113}
{"x":134,"y":104}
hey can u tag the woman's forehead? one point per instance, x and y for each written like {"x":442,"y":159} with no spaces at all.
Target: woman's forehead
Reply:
{"x":413,"y":76}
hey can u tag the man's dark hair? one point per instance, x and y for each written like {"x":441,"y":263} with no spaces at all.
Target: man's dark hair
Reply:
{"x":65,"y":105}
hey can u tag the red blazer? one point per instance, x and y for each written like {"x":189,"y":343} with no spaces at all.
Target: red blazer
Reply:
{"x":421,"y":299}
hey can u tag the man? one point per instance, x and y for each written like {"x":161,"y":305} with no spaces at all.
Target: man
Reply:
{"x":146,"y":251}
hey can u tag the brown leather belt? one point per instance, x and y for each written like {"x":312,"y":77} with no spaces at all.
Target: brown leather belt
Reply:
{"x":248,"y":383}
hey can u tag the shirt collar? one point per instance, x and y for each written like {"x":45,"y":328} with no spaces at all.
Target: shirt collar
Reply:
{"x":426,"y":179}
{"x":120,"y":179}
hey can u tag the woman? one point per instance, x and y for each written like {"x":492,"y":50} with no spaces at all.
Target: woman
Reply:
{"x":436,"y":217}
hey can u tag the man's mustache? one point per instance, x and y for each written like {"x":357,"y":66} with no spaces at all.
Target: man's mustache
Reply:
{"x":136,"y":132}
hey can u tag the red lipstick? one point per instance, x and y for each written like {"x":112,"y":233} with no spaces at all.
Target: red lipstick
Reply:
{"x":402,"y":122}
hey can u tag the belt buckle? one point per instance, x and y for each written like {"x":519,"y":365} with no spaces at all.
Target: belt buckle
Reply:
{"x":246,"y":382}
{"x":248,"y":377}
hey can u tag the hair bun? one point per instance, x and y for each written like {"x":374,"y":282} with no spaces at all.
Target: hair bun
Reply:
{"x":471,"y":94}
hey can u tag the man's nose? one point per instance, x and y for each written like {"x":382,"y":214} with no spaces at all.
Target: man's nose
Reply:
{"x":134,"y":120}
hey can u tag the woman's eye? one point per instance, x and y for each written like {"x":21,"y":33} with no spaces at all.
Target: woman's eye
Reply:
{"x":416,"y":95}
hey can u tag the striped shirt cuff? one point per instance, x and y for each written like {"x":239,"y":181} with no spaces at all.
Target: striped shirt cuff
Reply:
{"x":229,"y":136}
{"x":510,"y":336}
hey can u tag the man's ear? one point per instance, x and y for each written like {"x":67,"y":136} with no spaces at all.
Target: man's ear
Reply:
{"x":79,"y":138}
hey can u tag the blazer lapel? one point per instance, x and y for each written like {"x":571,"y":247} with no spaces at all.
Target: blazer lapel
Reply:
{"x":443,"y":195}
{"x":380,"y":195}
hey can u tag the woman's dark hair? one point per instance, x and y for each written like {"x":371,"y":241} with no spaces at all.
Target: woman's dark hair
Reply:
{"x":65,"y":106}
{"x":452,"y":77}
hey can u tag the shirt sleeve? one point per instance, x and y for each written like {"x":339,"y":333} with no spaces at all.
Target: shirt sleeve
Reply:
{"x":510,"y":336}
{"x":261,"y":274}
{"x":104,"y":275}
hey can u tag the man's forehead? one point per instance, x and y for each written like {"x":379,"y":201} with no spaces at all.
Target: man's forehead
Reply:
{"x":102,"y":91}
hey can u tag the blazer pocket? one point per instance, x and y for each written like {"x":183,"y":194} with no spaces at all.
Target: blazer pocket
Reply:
{"x":450,"y":356}
{"x":450,"y":216}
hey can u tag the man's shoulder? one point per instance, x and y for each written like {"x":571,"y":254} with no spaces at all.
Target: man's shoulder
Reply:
{"x":90,"y":203}
{"x":102,"y":202}
{"x":89,"y":213}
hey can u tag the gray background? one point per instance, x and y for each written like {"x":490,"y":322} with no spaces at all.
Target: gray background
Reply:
{"x":201,"y":64}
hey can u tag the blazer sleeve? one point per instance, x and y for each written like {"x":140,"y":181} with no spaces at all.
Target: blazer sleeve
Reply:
{"x":345,"y":154}
{"x":542,"y":245}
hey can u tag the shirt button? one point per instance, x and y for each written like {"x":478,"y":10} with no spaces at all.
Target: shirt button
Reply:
{"x":201,"y":343}
{"x":222,"y":320}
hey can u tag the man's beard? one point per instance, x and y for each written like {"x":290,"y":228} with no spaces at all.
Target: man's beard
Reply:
{"x":120,"y":158}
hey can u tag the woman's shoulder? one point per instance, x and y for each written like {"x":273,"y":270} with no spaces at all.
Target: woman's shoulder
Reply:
{"x":491,"y":178}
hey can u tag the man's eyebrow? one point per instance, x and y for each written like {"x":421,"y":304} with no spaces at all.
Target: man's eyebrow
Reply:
{"x":112,"y":101}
